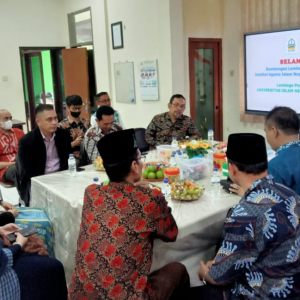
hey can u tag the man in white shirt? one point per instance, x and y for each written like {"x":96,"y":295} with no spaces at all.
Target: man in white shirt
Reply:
{"x":104,"y":99}
{"x":104,"y":125}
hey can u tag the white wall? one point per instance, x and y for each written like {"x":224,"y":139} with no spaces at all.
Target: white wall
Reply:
{"x":32,"y":23}
{"x":146,"y":34}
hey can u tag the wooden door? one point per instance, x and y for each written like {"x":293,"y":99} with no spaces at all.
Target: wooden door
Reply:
{"x":76,"y":76}
{"x":205,"y":71}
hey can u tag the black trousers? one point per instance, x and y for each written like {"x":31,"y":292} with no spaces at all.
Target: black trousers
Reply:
{"x":9,"y":175}
{"x":206,"y":292}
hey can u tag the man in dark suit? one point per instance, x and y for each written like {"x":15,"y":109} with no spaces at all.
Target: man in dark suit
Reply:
{"x":42,"y":151}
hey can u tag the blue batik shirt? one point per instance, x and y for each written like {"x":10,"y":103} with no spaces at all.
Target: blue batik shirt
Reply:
{"x":260,"y":253}
{"x":285,"y":167}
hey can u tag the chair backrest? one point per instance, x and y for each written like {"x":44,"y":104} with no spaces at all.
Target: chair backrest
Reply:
{"x":141,"y":140}
{"x":84,"y":160}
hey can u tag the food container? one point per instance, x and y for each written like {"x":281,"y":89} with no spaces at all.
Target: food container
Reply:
{"x":219,"y":160}
{"x":173,"y":174}
{"x":186,"y":190}
{"x":195,"y":168}
{"x":98,"y":164}
{"x":164,"y":153}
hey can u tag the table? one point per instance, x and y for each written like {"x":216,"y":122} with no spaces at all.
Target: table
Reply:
{"x":200,"y":222}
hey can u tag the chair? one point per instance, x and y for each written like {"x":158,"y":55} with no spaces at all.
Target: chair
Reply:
{"x":84,"y":160}
{"x":141,"y":140}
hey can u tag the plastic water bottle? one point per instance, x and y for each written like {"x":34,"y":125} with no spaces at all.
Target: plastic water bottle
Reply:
{"x":166,"y":188}
{"x":215,"y":181}
{"x":184,"y":155}
{"x":173,"y":162}
{"x":174,"y":142}
{"x":179,"y":158}
{"x":210,"y":136}
{"x":72,"y":165}
{"x":96,"y":180}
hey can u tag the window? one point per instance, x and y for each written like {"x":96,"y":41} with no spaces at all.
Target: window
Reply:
{"x":80,"y":28}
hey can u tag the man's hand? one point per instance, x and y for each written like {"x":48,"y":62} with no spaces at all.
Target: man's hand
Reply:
{"x":9,"y":228}
{"x":203,"y":270}
{"x":7,"y":205}
{"x":20,"y":240}
{"x":209,"y":264}
{"x":237,"y":190}
{"x":14,"y":212}
{"x":77,"y":141}
{"x":144,"y":184}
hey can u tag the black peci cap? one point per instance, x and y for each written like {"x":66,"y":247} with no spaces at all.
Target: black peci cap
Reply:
{"x":246,"y":148}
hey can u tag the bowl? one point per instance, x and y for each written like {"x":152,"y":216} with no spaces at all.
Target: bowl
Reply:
{"x":186,"y":191}
{"x":158,"y":165}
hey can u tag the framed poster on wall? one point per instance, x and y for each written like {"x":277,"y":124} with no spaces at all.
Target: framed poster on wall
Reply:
{"x":117,"y":35}
{"x":148,"y":79}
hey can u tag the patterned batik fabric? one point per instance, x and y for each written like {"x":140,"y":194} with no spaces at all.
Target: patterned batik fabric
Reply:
{"x":260,"y":253}
{"x":285,"y":166}
{"x":75,"y":129}
{"x":114,"y":248}
{"x":91,"y":139}
{"x":161,"y":129}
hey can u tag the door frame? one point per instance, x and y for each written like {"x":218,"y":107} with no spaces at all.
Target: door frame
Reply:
{"x":218,"y":99}
{"x":56,"y":79}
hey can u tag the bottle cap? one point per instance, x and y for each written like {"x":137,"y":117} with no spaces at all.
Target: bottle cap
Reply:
{"x":96,"y":179}
{"x":71,"y":155}
{"x":174,"y":152}
{"x":166,"y":180}
{"x":184,"y":152}
{"x":174,"y":138}
{"x":210,"y":128}
{"x":173,"y":155}
{"x":216,"y":169}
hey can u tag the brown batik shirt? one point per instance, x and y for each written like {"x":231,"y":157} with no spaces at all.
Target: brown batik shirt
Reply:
{"x":114,"y":248}
{"x":76,"y":130}
{"x":161,"y":129}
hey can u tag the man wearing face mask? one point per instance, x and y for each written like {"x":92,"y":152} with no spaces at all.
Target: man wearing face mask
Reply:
{"x":9,"y":144}
{"x":171,"y":124}
{"x":76,"y":125}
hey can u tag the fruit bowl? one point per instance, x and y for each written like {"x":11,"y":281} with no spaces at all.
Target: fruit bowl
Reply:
{"x":186,"y":191}
{"x":98,"y":164}
{"x":154,"y":171}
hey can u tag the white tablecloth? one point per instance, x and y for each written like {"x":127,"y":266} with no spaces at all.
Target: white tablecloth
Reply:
{"x":200,"y":222}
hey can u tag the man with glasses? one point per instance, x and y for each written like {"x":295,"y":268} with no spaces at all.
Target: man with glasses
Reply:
{"x":104,"y":99}
{"x":171,"y":124}
{"x":76,"y":125}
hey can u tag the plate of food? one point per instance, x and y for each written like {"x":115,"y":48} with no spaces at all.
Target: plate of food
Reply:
{"x":186,"y":190}
{"x":98,"y":164}
{"x":154,"y":171}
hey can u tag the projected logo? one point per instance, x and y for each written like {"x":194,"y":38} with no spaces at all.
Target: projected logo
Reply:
{"x":292,"y":44}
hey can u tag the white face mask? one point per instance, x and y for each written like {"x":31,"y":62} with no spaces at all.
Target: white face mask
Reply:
{"x":7,"y":125}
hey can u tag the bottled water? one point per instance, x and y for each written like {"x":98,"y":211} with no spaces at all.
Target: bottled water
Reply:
{"x":184,"y":155}
{"x":179,"y":158}
{"x":215,"y":180}
{"x":174,"y":142}
{"x":173,"y":162}
{"x":210,"y":136}
{"x":166,"y":188}
{"x":72,"y":165}
{"x":96,"y":180}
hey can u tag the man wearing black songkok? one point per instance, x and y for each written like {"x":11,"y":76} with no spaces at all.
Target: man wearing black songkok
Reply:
{"x":259,"y":257}
{"x":119,"y":223}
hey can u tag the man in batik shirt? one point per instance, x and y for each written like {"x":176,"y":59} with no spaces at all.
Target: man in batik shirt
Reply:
{"x":171,"y":124}
{"x":76,"y":125}
{"x":259,"y":256}
{"x":119,"y":224}
{"x":105,"y":125}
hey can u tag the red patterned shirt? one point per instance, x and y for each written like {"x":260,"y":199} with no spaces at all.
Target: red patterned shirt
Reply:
{"x":9,"y":145}
{"x":114,"y":248}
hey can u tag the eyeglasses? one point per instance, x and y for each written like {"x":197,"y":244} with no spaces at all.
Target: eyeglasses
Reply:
{"x":142,"y":158}
{"x":105,"y":101}
{"x":178,"y":105}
